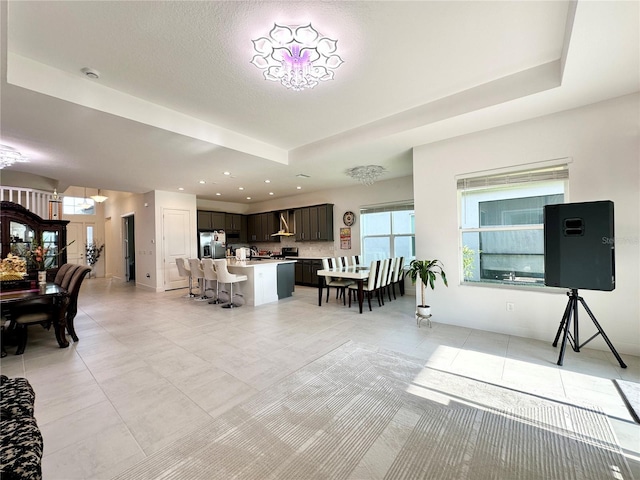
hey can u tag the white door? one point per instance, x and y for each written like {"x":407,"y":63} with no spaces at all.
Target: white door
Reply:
{"x":177,"y":235}
{"x":77,"y":233}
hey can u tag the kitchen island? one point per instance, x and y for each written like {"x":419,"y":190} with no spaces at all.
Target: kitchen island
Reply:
{"x":267,"y":280}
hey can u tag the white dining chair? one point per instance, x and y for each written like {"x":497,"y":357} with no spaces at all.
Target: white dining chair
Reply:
{"x":340,"y":284}
{"x":369,"y":287}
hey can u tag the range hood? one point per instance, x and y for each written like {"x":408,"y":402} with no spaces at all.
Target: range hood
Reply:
{"x":284,"y":227}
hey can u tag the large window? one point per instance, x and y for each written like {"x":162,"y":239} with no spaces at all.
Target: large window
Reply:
{"x":502,"y":224}
{"x":388,"y":232}
{"x":78,"y":206}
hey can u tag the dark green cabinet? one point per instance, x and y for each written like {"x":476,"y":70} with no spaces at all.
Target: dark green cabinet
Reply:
{"x":314,"y":223}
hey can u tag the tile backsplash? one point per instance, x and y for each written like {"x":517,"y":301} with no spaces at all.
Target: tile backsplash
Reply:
{"x":305,"y":249}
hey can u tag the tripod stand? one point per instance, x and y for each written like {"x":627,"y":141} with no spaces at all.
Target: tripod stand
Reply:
{"x":565,"y":323}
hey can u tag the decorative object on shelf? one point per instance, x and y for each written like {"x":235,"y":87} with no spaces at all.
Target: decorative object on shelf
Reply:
{"x":99,"y":198}
{"x":296,"y":56}
{"x":426,"y":271}
{"x":55,"y":206}
{"x":366,"y":174}
{"x":9,"y":156}
{"x":349,"y":218}
{"x":93,"y":254}
{"x":12,"y":268}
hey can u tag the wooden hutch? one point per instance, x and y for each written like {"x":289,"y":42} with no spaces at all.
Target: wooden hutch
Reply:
{"x":19,"y":228}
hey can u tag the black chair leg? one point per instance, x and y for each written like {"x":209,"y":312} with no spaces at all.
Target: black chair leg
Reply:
{"x":21,"y":332}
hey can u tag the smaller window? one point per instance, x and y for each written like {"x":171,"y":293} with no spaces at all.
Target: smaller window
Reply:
{"x":78,"y":206}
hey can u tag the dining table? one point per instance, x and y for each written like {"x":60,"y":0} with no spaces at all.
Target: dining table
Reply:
{"x":358,"y":273}
{"x":59,"y":297}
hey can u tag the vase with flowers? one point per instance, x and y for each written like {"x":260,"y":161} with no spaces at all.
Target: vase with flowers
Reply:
{"x":40,"y":257}
{"x":93,"y":253}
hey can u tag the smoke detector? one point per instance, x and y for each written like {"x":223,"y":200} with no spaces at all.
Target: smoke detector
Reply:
{"x":91,"y":73}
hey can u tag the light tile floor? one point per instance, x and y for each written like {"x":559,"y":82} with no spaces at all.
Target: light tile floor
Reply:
{"x":150,"y":367}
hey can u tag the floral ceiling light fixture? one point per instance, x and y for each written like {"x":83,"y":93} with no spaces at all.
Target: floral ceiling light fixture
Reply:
{"x":366,"y":174}
{"x":9,"y":156}
{"x":296,"y":56}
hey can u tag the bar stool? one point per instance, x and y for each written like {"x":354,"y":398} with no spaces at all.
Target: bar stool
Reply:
{"x":198,"y":273}
{"x":210,"y":275}
{"x":225,"y":277}
{"x":183,"y":271}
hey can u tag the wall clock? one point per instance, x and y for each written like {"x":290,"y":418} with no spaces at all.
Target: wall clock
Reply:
{"x":349,"y":218}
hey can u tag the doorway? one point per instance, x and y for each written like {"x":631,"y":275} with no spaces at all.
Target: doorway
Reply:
{"x":79,"y":234}
{"x":129,"y":248}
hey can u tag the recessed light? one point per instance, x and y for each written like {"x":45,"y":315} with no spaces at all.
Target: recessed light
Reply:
{"x":270,"y":193}
{"x":218,"y":193}
{"x":299,"y":188}
{"x":267,"y":181}
{"x":248,"y":198}
{"x":202,"y":182}
{"x":240,"y":188}
{"x":180,"y":188}
{"x":226,"y":173}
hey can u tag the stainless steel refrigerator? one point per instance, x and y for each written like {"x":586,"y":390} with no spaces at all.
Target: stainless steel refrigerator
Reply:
{"x":212,"y":244}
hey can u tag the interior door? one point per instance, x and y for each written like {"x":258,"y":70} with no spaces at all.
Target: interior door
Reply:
{"x":77,"y":241}
{"x":177,"y":235}
{"x":129,"y":248}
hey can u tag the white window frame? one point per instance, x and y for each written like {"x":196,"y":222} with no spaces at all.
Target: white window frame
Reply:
{"x":408,"y":206}
{"x":71,"y":205}
{"x":526,"y":176}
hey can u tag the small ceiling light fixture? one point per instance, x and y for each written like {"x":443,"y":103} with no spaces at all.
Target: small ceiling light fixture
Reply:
{"x":240,"y":188}
{"x":85,"y":202}
{"x":248,"y":198}
{"x":298,"y":188}
{"x":226,"y":173}
{"x":296,"y":56}
{"x":267,"y":181}
{"x":9,"y":156}
{"x":218,"y":193}
{"x":366,"y":174}
{"x":270,"y":193}
{"x":181,"y":188}
{"x":202,"y":182}
{"x":91,"y":73}
{"x":99,"y":198}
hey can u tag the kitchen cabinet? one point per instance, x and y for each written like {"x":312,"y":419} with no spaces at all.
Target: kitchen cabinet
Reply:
{"x":211,"y":220}
{"x":314,"y":223}
{"x":261,"y":226}
{"x":20,"y":227}
{"x":306,"y":272}
{"x":233,"y":222}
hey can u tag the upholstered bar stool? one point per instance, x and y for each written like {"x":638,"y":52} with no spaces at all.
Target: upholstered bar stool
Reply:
{"x":210,"y":275}
{"x":225,"y":277}
{"x":198,"y":274}
{"x":185,"y":272}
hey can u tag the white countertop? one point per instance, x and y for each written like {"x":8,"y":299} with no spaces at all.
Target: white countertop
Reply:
{"x":255,"y":263}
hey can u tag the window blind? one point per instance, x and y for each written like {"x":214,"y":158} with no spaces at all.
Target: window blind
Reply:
{"x":514,"y":178}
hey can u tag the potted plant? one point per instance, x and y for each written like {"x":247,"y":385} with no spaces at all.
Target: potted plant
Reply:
{"x":426,"y":271}
{"x":93,"y":253}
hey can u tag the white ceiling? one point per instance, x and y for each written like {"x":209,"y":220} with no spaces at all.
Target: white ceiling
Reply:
{"x":178,"y":101}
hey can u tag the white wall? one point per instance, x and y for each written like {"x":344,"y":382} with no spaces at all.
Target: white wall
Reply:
{"x":603,"y":142}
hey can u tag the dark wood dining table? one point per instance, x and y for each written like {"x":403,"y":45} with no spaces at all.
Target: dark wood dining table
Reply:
{"x":14,"y":299}
{"x":353,"y":272}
